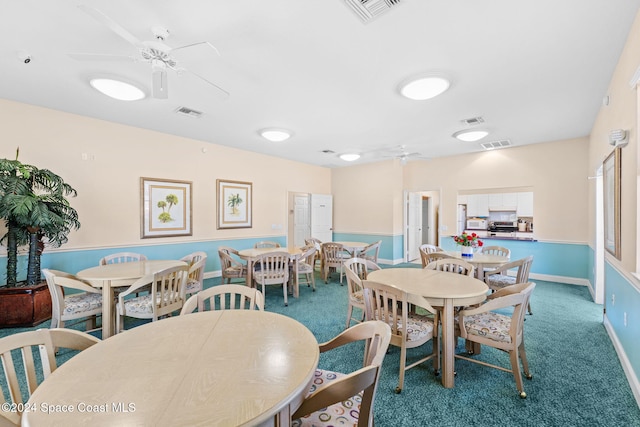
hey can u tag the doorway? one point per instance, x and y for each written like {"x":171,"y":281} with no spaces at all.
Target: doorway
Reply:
{"x":310,"y":215}
{"x":420,"y":221}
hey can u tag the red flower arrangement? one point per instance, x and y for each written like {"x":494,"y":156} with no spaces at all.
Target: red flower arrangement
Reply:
{"x":468,"y":240}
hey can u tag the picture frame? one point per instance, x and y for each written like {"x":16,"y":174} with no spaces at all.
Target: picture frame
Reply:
{"x":234,"y":204}
{"x":611,"y":175}
{"x":166,"y":208}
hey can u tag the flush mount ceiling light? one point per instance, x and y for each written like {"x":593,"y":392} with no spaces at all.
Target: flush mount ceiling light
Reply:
{"x":275,"y":135}
{"x":424,"y":87}
{"x":470,"y":135}
{"x":117,"y":89}
{"x":349,"y":157}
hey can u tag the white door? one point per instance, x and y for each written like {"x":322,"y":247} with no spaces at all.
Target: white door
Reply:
{"x":413,"y":233}
{"x":322,"y":217}
{"x":301,"y":219}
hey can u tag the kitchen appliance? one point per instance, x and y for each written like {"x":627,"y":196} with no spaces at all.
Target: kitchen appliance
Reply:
{"x":502,"y":228}
{"x":476,"y":224}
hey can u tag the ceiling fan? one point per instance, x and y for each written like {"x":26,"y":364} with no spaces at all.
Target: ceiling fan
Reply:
{"x":154,"y":52}
{"x":401,"y":153}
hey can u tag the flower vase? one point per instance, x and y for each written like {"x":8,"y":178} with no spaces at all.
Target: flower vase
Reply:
{"x":467,"y":251}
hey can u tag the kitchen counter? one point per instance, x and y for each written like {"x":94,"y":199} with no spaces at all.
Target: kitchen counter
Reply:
{"x":523,"y":239}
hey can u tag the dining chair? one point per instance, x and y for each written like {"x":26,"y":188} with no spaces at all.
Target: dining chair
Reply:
{"x":452,"y":265}
{"x":122,"y":257}
{"x":266,"y":244}
{"x":428,"y":257}
{"x":496,"y":250}
{"x":195,"y":279}
{"x":333,"y":255}
{"x":356,"y":270}
{"x":230,"y":267}
{"x":318,"y":244}
{"x":502,"y":331}
{"x":272,"y":268}
{"x":85,"y":305}
{"x":224,"y":297}
{"x":408,"y":329}
{"x":166,"y":295}
{"x":499,"y":277}
{"x":430,"y":248}
{"x":370,"y":251}
{"x":21,"y":381}
{"x":303,"y":267}
{"x":335,"y":396}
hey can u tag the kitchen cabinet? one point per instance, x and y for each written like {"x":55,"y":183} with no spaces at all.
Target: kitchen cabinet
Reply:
{"x":477,"y":205}
{"x":503,"y":201}
{"x":525,"y":204}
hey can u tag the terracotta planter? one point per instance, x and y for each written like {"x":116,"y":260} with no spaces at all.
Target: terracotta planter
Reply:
{"x":24,"y":306}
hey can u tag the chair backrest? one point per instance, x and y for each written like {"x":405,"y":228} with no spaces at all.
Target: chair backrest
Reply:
{"x":122,"y":257}
{"x":169,"y":285}
{"x":196,"y":271}
{"x":430,"y":248}
{"x":496,"y":250}
{"x":315,"y":242}
{"x":56,"y":281}
{"x":22,"y":382}
{"x":429,"y":257}
{"x":226,"y":260}
{"x":524,"y":269}
{"x":307,"y":255}
{"x":376,"y":336}
{"x":225,"y":297}
{"x":452,"y":265}
{"x":332,"y":254}
{"x":194,"y":257}
{"x":371,"y":251}
{"x":274,"y":268}
{"x":266,"y":244}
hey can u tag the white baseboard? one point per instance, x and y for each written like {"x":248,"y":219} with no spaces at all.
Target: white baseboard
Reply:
{"x":560,"y":279}
{"x":624,"y":360}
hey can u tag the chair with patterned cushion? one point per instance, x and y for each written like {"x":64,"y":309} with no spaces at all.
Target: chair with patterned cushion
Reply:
{"x":452,"y":265}
{"x":303,"y":267}
{"x":166,"y":295}
{"x":230,"y":267}
{"x":224,"y":297}
{"x":336,"y":398}
{"x":22,"y":380}
{"x":499,"y":278}
{"x":356,"y":270}
{"x":266,"y":244}
{"x":502,"y":331}
{"x":86,"y":304}
{"x":370,"y":251}
{"x":408,"y":329}
{"x":195,"y":279}
{"x":272,"y":268}
{"x":333,"y":255}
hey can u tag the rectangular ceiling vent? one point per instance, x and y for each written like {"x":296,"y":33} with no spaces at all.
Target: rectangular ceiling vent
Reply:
{"x":188,"y":112}
{"x":473,"y":121}
{"x":368,"y":10}
{"x":496,"y":144}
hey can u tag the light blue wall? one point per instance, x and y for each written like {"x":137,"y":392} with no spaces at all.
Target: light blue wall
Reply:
{"x":627,"y":299}
{"x":390,"y":249}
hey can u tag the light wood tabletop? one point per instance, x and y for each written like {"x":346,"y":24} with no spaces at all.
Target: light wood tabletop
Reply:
{"x":106,"y":276}
{"x":443,"y":289}
{"x":353,"y":247}
{"x":215,"y":368}
{"x":481,"y":261}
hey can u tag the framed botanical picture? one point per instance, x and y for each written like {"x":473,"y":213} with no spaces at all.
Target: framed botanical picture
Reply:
{"x":234,"y":204}
{"x":166,"y":208}
{"x":611,"y":198}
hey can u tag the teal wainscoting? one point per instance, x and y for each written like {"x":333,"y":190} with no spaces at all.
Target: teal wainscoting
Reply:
{"x":72,"y":261}
{"x":390,"y":249}
{"x":627,"y":300}
{"x":555,"y":259}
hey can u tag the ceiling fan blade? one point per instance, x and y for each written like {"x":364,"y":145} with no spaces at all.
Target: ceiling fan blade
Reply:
{"x":196,"y":44}
{"x":159,"y":87}
{"x":112,"y":25}
{"x":101,"y":57}
{"x":224,"y":92}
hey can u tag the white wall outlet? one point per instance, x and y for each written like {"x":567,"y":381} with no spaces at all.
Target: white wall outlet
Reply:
{"x":624,"y":319}
{"x":443,"y":228}
{"x":613,"y":299}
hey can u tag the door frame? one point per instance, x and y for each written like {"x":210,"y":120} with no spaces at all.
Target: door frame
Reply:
{"x":405,"y":217}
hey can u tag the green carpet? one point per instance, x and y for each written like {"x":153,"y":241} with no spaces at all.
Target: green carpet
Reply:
{"x":577,"y":378}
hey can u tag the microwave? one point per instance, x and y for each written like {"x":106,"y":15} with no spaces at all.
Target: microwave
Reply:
{"x":476,"y":224}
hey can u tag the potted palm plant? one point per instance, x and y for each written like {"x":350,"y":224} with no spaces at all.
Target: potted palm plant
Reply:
{"x":35,"y":210}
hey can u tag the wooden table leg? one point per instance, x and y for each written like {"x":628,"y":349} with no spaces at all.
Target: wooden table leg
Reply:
{"x":448,"y":343}
{"x":107,"y":310}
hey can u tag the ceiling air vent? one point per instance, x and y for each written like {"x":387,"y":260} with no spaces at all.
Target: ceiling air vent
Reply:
{"x":328,"y":151}
{"x":188,"y":112}
{"x":368,"y":10}
{"x":473,"y":121}
{"x":496,"y":144}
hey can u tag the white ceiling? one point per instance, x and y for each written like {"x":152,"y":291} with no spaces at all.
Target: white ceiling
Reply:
{"x":536,"y":71}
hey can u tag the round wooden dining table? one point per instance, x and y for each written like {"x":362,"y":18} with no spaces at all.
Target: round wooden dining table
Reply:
{"x":481,"y":261}
{"x":442,"y":289}
{"x":119,"y":274}
{"x":214,"y":368}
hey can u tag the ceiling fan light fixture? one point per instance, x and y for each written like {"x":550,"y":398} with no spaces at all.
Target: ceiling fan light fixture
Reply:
{"x":349,"y":157}
{"x":275,"y":135}
{"x":471,"y":135}
{"x":424,"y":87}
{"x":117,"y":89}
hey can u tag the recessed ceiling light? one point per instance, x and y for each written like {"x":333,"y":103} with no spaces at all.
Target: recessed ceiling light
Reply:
{"x":275,"y":135}
{"x":349,"y":157}
{"x":424,"y":87}
{"x":470,"y":135}
{"x":117,"y":89}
